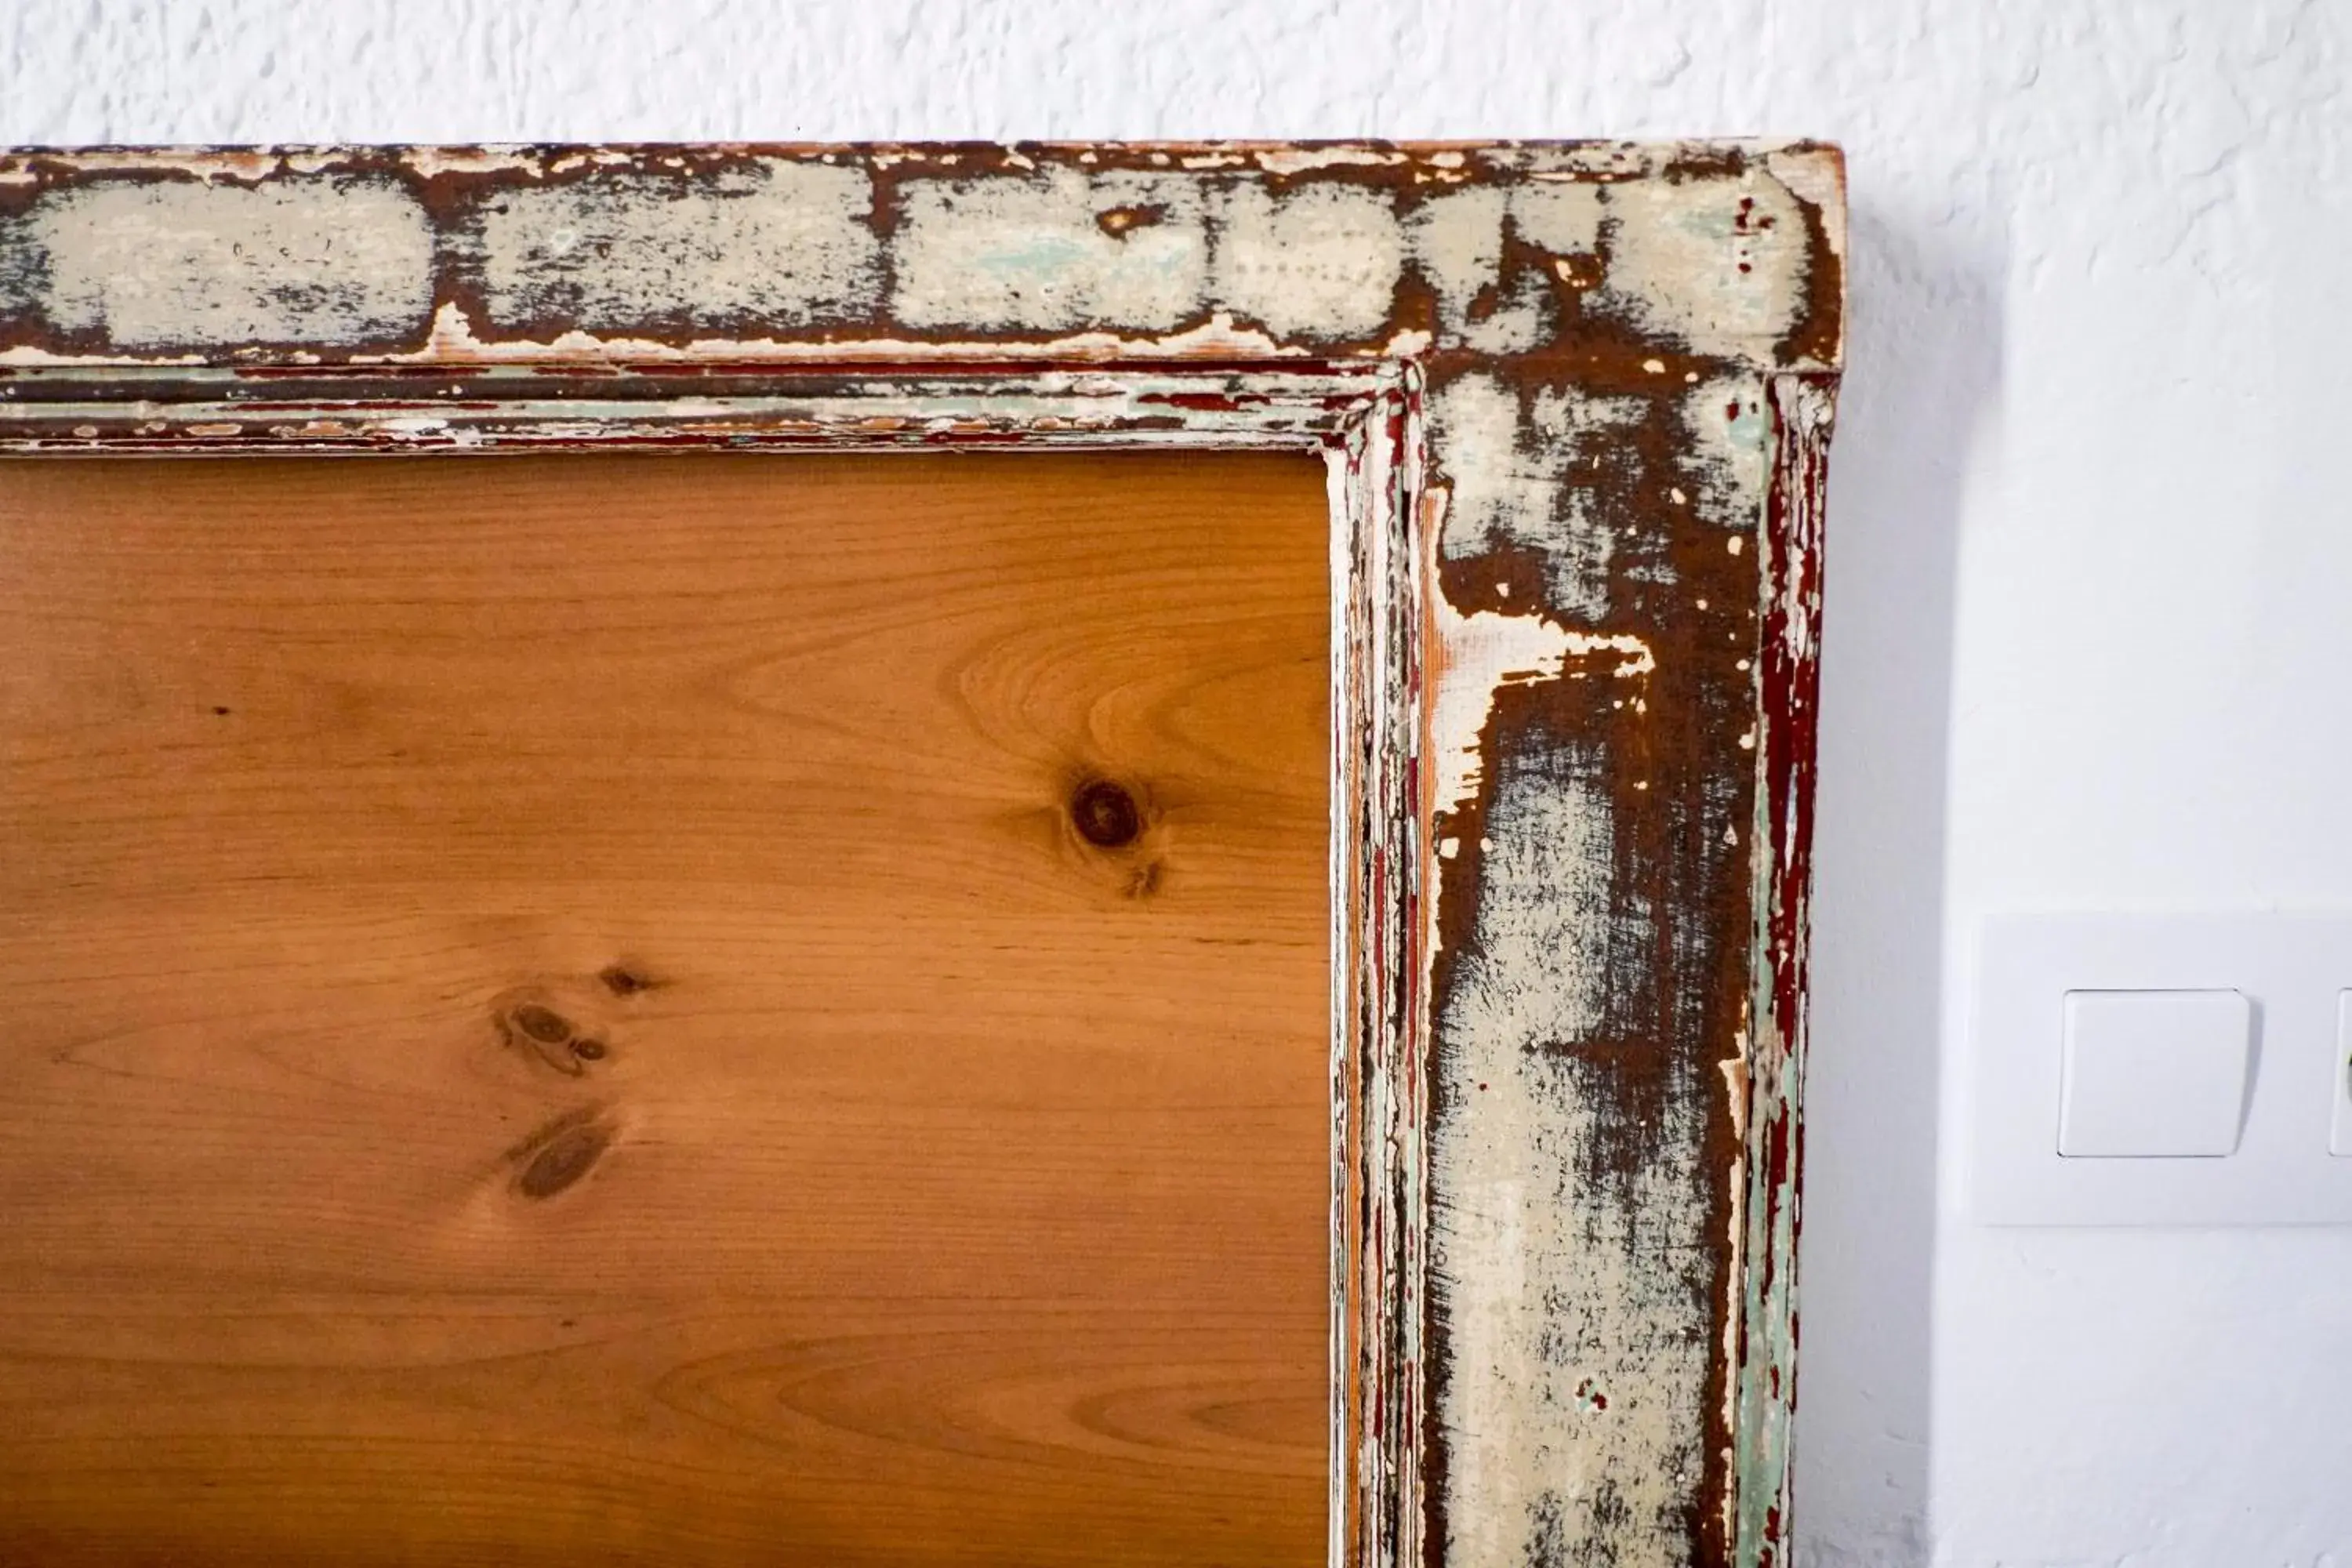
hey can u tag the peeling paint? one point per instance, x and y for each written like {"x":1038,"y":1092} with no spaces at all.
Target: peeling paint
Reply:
{"x":1478,"y":655}
{"x":1729,"y":447}
{"x":777,"y":253}
{"x":1306,"y":159}
{"x":1772,"y":1126}
{"x":1549,"y":1291}
{"x":455,"y":339}
{"x":1458,"y":239}
{"x":148,"y":265}
{"x":1709,"y":263}
{"x":1564,"y":220}
{"x":772,"y":243}
{"x":1560,"y":387}
{"x":1319,"y":261}
{"x":1523,"y":463}
{"x":1063,"y":251}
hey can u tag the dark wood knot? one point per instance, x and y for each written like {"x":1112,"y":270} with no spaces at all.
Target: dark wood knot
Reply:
{"x":565,"y":1160}
{"x":544,"y":1024}
{"x":623,"y":980}
{"x":545,"y":1035}
{"x":559,"y":1154}
{"x":1106,"y":815}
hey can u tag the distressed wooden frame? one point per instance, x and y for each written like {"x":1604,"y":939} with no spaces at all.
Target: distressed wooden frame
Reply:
{"x":1575,"y":400}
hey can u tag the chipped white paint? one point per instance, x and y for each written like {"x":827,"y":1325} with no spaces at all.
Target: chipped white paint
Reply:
{"x":1475,"y":658}
{"x":1060,"y":251}
{"x":1316,"y":261}
{"x":436,"y":160}
{"x":1307,"y":159}
{"x":1564,"y":220}
{"x":1595,"y":1441}
{"x":1816,"y":182}
{"x":1286,"y":412}
{"x":1730,"y":438}
{"x":1577,"y":1284}
{"x":1457,"y":239}
{"x":1519,"y":462}
{"x":300,"y":259}
{"x":761,"y":243}
{"x":786,"y":242}
{"x":456,"y":340}
{"x":1714,"y":262}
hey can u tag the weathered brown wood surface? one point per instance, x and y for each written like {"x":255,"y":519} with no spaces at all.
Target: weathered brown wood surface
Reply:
{"x":606,"y":1009}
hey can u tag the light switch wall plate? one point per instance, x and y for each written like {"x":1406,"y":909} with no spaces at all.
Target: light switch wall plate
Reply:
{"x":2292,"y":1159}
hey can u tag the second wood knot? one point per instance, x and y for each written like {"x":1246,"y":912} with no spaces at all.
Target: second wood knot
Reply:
{"x":560,"y":1153}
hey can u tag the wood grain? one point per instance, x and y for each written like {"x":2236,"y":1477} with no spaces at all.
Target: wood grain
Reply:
{"x":700,"y":1009}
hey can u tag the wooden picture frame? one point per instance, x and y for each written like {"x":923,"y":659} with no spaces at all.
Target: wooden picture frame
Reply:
{"x":1575,"y":400}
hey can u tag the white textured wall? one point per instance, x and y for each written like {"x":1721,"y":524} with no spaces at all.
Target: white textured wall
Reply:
{"x":2089,"y":630}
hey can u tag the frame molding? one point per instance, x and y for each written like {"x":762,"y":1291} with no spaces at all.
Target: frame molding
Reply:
{"x":1574,"y":401}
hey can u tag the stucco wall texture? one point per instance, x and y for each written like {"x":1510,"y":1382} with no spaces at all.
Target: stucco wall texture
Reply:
{"x":2089,"y":559}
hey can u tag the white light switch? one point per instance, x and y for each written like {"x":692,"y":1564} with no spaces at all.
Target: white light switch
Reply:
{"x":2153,"y":1074}
{"x":2339,"y":1142}
{"x":2063,"y":1086}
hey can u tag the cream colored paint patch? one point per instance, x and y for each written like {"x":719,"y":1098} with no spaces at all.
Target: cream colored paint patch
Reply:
{"x":1319,"y":261}
{"x":780,"y":242}
{"x":1495,"y":487}
{"x":1576,"y":1384}
{"x":1718,"y":263}
{"x":1518,"y":464}
{"x":1480,"y":654}
{"x":1051,"y":252}
{"x":1730,"y":449}
{"x":1457,"y":243}
{"x":303,"y":259}
{"x":1564,"y":220}
{"x":1490,"y":491}
{"x":1578,"y":1364}
{"x":1495,"y":482}
{"x":1818,"y":179}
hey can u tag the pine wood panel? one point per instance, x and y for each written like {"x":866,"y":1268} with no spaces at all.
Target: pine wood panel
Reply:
{"x":730,"y":1009}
